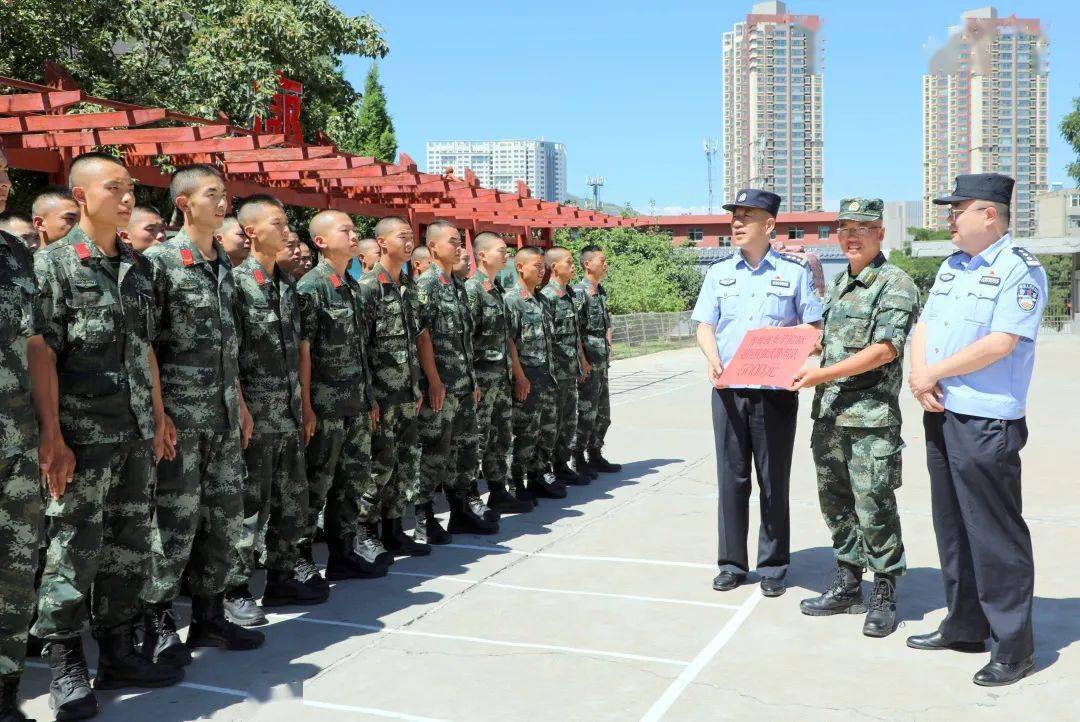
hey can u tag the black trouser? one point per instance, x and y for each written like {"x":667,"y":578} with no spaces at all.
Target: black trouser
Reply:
{"x":983,"y":542}
{"x":757,"y":425}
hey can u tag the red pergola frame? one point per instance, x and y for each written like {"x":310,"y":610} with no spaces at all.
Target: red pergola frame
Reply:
{"x":38,"y":133}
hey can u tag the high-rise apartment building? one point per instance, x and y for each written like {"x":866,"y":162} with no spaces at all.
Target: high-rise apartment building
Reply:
{"x":897,"y":218}
{"x":984,"y":111}
{"x":773,"y":106}
{"x":502,"y":163}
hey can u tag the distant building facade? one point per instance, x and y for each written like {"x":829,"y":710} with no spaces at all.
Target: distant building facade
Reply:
{"x":501,"y":164}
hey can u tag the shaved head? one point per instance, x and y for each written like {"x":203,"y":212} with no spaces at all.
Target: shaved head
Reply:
{"x":554,"y":255}
{"x":387,"y":226}
{"x":368,"y":245}
{"x":47,"y":199}
{"x":86,"y":167}
{"x":436,"y":230}
{"x":187,"y":180}
{"x":527,"y":253}
{"x":324,"y":221}
{"x":484,"y":241}
{"x":254,"y":206}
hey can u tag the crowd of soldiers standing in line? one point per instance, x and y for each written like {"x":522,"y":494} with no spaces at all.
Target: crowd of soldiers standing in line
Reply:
{"x":175,"y":413}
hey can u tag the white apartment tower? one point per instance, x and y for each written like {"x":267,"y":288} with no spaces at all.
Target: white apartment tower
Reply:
{"x":984,"y":111}
{"x":502,"y":163}
{"x":773,"y":106}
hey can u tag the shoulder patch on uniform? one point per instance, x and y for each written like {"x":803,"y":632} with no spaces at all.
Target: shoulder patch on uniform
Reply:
{"x":795,"y":259}
{"x":1027,"y":256}
{"x":186,"y":257}
{"x":82,"y":251}
{"x":1027,"y":297}
{"x":383,"y":278}
{"x":334,"y":280}
{"x":260,"y":278}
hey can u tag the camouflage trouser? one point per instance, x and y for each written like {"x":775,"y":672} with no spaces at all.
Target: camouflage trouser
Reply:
{"x":566,"y":415}
{"x":339,"y":476}
{"x":594,"y":410}
{"x":439,"y":464}
{"x":858,"y":471}
{"x":395,"y":457}
{"x":98,"y":540}
{"x":494,"y":425}
{"x":275,"y":505}
{"x":199,"y":515}
{"x":534,"y":430}
{"x":21,"y":523}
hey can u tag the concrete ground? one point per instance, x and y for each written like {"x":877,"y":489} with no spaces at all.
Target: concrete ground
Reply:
{"x":600,"y":606}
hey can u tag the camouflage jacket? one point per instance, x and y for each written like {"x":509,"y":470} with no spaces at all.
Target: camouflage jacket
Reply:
{"x":532,"y":332}
{"x":20,"y":318}
{"x":595,"y":322}
{"x":567,"y":317}
{"x":268,"y":335}
{"x":196,"y":342}
{"x":332,"y":321}
{"x":878,"y":305}
{"x":491,"y":335}
{"x":441,"y":312}
{"x":100,"y":328}
{"x":389,"y":310}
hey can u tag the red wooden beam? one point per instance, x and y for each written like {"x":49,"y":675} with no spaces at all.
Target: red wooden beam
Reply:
{"x":39,"y":102}
{"x":332,"y":163}
{"x":80,"y":121}
{"x":213,"y":145}
{"x":302,"y":153}
{"x":90,"y":138}
{"x":41,"y":161}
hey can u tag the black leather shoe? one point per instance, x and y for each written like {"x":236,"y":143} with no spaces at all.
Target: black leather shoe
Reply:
{"x":934,"y":641}
{"x":726,"y":581}
{"x":241,"y":608}
{"x":283,"y":589}
{"x":772,"y":587}
{"x":999,"y":674}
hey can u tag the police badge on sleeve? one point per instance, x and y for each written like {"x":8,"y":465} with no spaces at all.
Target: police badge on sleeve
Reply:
{"x":1027,"y":296}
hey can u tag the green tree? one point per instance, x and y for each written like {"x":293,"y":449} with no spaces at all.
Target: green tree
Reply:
{"x":928,"y":234}
{"x":922,"y":269}
{"x":646,"y":273}
{"x":1070,"y":131}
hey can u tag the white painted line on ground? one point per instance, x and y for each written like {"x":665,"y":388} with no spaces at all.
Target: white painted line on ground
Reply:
{"x":581,"y":557}
{"x":187,"y":685}
{"x":676,"y":688}
{"x":661,"y":392}
{"x":369,"y":710}
{"x":494,"y":642}
{"x":572,"y":592}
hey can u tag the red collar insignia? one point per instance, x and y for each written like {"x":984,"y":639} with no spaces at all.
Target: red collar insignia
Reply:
{"x":82,"y":251}
{"x":383,"y":278}
{"x":186,"y":257}
{"x":444,"y":280}
{"x":560,"y":293}
{"x":592,"y":290}
{"x":334,"y":280}
{"x":488,"y":286}
{"x":259,"y":277}
{"x":524,"y":293}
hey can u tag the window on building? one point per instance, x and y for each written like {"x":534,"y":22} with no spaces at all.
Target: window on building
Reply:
{"x":823,"y":233}
{"x":1074,"y":200}
{"x":695,"y":234}
{"x":795,"y":233}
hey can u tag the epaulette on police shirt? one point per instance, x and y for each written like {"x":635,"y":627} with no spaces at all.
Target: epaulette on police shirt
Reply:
{"x":1027,"y":256}
{"x":795,"y":259}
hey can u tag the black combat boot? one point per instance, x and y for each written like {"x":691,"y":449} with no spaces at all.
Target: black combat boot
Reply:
{"x":565,"y":474}
{"x":521,"y":491}
{"x":306,"y":572}
{"x":9,"y":699}
{"x":881,"y":617}
{"x":476,"y":502}
{"x":598,"y":462}
{"x":120,"y":665}
{"x":467,"y":514}
{"x":397,"y":541}
{"x":241,"y":607}
{"x":357,"y":558}
{"x":544,"y":485}
{"x":69,"y":691}
{"x":284,"y":589}
{"x":33,"y":648}
{"x":581,"y":466}
{"x":844,"y":596}
{"x":504,"y":502}
{"x":428,"y":529}
{"x":210,"y":628}
{"x":161,"y":642}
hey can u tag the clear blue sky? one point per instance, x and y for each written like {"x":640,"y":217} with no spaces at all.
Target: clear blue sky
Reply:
{"x":632,"y":87}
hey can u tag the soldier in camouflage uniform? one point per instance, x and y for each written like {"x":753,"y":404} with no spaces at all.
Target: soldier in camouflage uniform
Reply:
{"x":444,"y":346}
{"x":387,"y":298}
{"x":275,"y":499}
{"x":199,"y":505}
{"x":496,"y":363}
{"x":594,"y":406}
{"x":98,"y":320}
{"x":569,"y":362}
{"x":25,"y":363}
{"x":869,"y":311}
{"x":339,"y":406}
{"x":534,"y":417}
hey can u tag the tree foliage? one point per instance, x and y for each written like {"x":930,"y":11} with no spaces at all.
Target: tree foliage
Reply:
{"x":929,"y":234}
{"x":646,"y":272}
{"x":1070,"y":131}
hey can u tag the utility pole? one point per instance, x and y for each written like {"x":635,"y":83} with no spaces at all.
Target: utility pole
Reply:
{"x":596,"y":181}
{"x":711,"y":147}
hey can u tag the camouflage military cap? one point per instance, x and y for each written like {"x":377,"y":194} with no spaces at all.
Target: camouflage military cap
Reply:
{"x":861,"y":209}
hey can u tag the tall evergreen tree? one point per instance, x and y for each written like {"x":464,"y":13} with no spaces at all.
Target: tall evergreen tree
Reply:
{"x":365,"y":128}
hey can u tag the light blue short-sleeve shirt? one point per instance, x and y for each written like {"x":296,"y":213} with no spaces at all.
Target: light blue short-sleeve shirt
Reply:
{"x":1001,"y":289}
{"x":736,"y":298}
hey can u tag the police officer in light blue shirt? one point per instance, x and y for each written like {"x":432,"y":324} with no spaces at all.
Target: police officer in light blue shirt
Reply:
{"x":971,"y":359}
{"x":755,"y":288}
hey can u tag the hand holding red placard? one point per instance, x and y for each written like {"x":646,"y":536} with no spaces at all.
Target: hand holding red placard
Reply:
{"x":770,"y":356}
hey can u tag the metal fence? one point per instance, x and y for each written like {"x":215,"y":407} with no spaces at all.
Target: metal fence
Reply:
{"x":636,"y":333}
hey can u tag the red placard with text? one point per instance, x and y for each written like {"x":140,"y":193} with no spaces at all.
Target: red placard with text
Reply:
{"x":770,"y":356}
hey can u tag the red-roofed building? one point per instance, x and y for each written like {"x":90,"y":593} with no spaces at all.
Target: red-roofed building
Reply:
{"x":804,"y":229}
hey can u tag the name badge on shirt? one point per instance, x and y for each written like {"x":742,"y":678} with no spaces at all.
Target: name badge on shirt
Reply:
{"x":727,"y":281}
{"x":781,"y":283}
{"x":990,"y":280}
{"x":947,"y":276}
